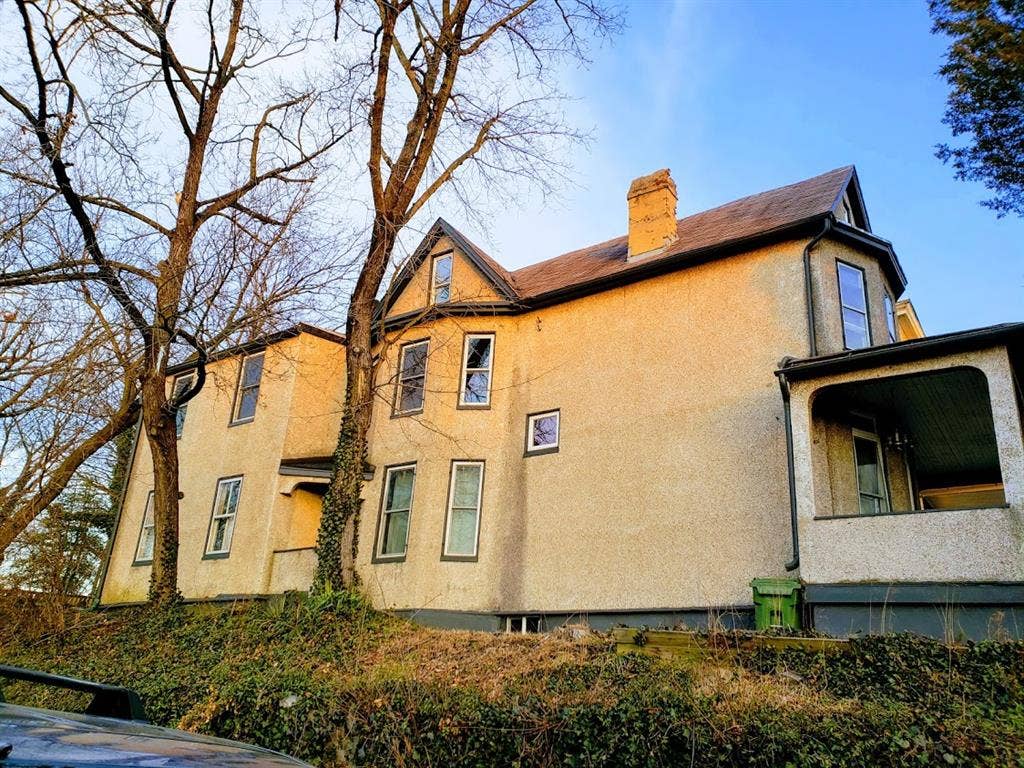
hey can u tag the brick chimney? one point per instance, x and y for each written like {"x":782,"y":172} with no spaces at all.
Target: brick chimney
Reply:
{"x":652,"y":213}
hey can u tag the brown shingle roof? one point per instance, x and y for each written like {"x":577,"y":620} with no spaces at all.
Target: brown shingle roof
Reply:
{"x":740,"y":219}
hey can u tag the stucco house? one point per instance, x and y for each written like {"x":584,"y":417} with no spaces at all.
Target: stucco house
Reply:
{"x":631,"y":432}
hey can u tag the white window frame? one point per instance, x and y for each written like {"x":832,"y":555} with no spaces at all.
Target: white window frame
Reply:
{"x":883,"y":480}
{"x":449,"y":514}
{"x":531,"y":447}
{"x":890,"y":318}
{"x":216,"y":514}
{"x":180,"y":384}
{"x":148,"y":524}
{"x":519,"y":625}
{"x":434,"y":284}
{"x":843,"y":306}
{"x":382,"y":521}
{"x":402,"y":352}
{"x":464,"y":376}
{"x":235,"y":418}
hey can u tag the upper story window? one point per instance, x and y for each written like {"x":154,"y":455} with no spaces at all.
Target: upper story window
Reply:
{"x":466,"y":488}
{"x":181,"y":385}
{"x":147,"y":534}
{"x":477,"y":359}
{"x":871,"y":485}
{"x":853,"y":301}
{"x":412,"y":377}
{"x":542,"y":432}
{"x":222,"y":522}
{"x":395,"y":510}
{"x":890,"y":318}
{"x":248,"y":389}
{"x":441,"y":279}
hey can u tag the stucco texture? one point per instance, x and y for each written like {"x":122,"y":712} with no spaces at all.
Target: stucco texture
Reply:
{"x":669,"y":488}
{"x":297,"y":414}
{"x":934,"y":545}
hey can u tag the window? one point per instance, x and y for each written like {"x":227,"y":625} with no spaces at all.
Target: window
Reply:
{"x":854,"y":303}
{"x":248,"y":389}
{"x":871,"y":485}
{"x":845,"y":212}
{"x":890,"y":318}
{"x":181,"y":385}
{"x":441,"y":279}
{"x":147,"y":535}
{"x":463,"y":525}
{"x":476,"y":370}
{"x":395,"y":509}
{"x":222,"y":523}
{"x":542,"y":432}
{"x":522,"y":625}
{"x":412,"y":377}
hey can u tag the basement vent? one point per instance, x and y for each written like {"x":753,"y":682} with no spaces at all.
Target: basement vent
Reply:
{"x":522,"y":625}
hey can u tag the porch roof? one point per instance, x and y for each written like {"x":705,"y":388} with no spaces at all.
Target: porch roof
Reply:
{"x":1005,"y":334}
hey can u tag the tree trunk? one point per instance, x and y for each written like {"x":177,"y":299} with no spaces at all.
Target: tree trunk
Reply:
{"x":161,"y":434}
{"x":338,"y":539}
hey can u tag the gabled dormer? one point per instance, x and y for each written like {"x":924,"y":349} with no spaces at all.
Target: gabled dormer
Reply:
{"x":447,"y":273}
{"x":849,"y":205}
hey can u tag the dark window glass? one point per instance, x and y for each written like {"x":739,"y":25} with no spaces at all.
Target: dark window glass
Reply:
{"x":249,"y":388}
{"x":890,"y":318}
{"x":442,"y":279}
{"x":854,"y":305}
{"x":181,"y":385}
{"x":476,"y":374}
{"x":397,"y":506}
{"x":412,"y":377}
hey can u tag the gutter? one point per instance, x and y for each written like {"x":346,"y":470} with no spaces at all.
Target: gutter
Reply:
{"x":812,"y":332}
{"x":794,"y":562}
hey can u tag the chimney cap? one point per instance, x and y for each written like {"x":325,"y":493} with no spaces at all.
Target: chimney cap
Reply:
{"x":652,"y":182}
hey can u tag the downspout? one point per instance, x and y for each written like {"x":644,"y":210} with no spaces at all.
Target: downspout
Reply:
{"x":794,"y":563}
{"x":812,"y":333}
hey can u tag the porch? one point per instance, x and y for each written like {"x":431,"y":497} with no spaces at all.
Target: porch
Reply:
{"x":908,"y":481}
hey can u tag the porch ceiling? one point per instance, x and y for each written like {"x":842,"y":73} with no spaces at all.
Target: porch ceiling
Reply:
{"x":947,"y":415}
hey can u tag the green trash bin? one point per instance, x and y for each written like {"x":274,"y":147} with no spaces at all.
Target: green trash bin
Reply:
{"x":776,"y":603}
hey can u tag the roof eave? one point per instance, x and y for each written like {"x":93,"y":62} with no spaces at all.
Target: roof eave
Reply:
{"x":1005,"y":334}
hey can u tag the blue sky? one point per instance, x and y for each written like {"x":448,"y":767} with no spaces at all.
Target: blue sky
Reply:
{"x":738,"y":97}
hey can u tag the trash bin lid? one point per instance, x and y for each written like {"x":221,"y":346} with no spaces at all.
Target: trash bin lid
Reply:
{"x":775,"y":586}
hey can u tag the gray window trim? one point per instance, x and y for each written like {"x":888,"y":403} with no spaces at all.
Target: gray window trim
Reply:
{"x":222,"y":553}
{"x":540,"y":451}
{"x":142,"y":528}
{"x":445,"y":555}
{"x":378,"y":537}
{"x":395,"y":406}
{"x":842,"y":305}
{"x":237,"y":402}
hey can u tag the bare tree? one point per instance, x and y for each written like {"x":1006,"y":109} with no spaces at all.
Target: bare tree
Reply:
{"x":458,"y":95}
{"x":191,"y":237}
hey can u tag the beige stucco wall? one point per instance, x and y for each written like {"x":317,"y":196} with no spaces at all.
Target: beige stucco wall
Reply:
{"x":289,"y":414}
{"x":669,"y":489}
{"x":825,"y":283}
{"x":468,"y":284}
{"x":973,"y":545}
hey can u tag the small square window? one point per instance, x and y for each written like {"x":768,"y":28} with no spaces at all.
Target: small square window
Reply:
{"x":542,"y":432}
{"x":522,"y":625}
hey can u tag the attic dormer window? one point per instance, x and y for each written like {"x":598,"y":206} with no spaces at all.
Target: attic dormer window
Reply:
{"x":845,"y":213}
{"x":441,"y":279}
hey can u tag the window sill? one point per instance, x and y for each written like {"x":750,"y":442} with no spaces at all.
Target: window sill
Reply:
{"x":384,"y":559}
{"x":540,"y":451}
{"x":460,"y":558}
{"x":908,"y":512}
{"x":404,"y":414}
{"x":240,"y":422}
{"x":473,"y":407}
{"x":141,"y":563}
{"x":216,"y":555}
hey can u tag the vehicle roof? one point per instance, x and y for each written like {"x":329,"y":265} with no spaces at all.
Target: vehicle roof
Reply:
{"x":68,"y":740}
